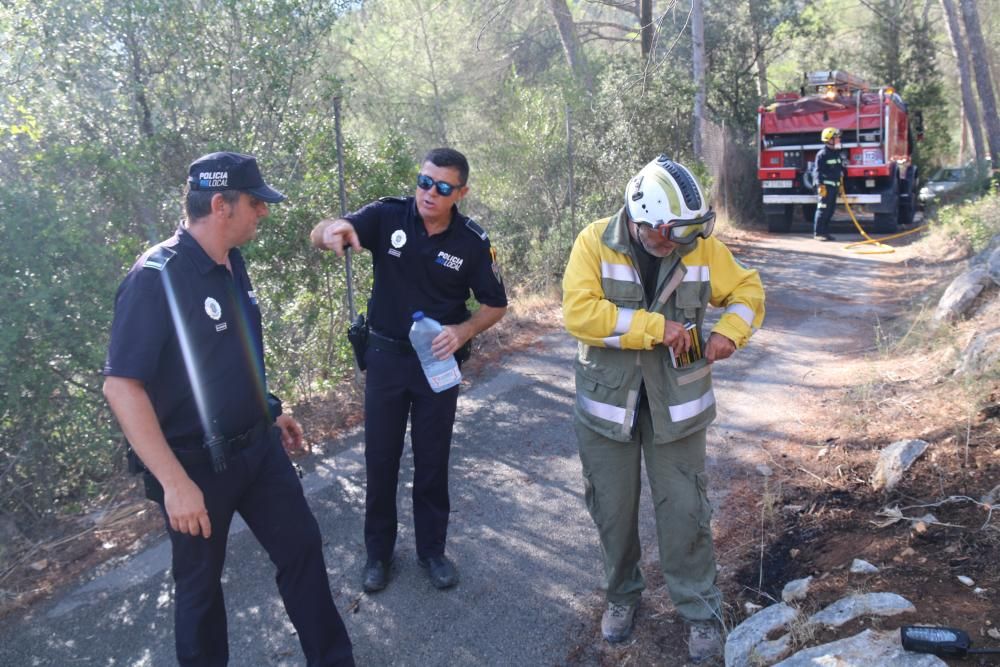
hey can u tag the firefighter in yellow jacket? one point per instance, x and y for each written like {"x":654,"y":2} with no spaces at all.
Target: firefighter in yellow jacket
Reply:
{"x":635,"y":293}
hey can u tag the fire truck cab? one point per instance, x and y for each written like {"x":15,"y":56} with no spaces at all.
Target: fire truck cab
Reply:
{"x":877,"y":142}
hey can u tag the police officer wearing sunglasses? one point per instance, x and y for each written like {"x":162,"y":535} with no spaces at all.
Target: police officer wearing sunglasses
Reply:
{"x":426,"y":256}
{"x":635,"y":293}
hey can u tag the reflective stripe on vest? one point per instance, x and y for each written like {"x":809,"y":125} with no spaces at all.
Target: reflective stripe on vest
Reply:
{"x":693,"y":408}
{"x":605,"y":411}
{"x":744,"y":312}
{"x":696,"y":274}
{"x":623,"y":272}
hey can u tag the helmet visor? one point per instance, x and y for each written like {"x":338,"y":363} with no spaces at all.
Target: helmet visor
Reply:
{"x":685,"y":231}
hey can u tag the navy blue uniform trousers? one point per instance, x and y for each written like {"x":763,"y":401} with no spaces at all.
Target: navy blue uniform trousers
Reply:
{"x":259,"y":483}
{"x":396,"y":390}
{"x":825,"y":207}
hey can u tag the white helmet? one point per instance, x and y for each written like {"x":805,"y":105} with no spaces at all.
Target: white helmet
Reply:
{"x":665,"y":195}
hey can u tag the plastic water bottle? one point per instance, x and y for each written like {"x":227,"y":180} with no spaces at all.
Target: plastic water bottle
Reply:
{"x":441,"y":373}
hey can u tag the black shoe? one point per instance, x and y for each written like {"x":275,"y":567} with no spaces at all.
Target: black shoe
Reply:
{"x":441,"y":571}
{"x":824,"y":237}
{"x":375,"y":576}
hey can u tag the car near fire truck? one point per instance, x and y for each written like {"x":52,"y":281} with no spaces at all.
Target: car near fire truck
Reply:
{"x":877,"y":141}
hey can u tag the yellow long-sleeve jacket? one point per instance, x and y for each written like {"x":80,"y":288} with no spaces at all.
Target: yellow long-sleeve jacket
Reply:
{"x":620,"y":334}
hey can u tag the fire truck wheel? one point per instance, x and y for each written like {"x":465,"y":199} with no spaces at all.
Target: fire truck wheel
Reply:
{"x":887,"y":223}
{"x":780,"y":222}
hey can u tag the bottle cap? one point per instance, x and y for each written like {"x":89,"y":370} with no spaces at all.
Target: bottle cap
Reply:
{"x":418,"y":315}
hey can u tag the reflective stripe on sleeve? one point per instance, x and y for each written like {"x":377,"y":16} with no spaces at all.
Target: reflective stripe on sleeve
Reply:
{"x":624,"y":320}
{"x":696,"y":274}
{"x":622,"y":272}
{"x":744,"y":311}
{"x":613,"y":341}
{"x":679,"y":413}
{"x":605,"y":411}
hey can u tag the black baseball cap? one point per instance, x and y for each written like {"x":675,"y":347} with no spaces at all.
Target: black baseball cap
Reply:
{"x":216,"y":172}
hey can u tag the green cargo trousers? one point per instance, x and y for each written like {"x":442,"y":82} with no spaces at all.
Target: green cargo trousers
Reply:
{"x":677,"y":478}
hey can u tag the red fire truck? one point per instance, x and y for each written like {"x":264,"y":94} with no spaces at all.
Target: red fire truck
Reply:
{"x":877,"y":143}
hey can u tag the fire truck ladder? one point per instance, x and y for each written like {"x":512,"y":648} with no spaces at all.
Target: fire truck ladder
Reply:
{"x":858,"y":116}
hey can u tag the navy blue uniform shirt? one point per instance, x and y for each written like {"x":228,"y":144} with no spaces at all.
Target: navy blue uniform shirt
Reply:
{"x":219,"y":313}
{"x":414,"y":271}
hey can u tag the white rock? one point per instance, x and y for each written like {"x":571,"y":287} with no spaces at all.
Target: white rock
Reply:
{"x":993,"y":632}
{"x":894,"y":461}
{"x":750,"y":608}
{"x":743,"y":641}
{"x":965,"y":580}
{"x":867,"y":649}
{"x":765,"y":470}
{"x":796,"y":590}
{"x":961,"y":293}
{"x":864,"y":604}
{"x":862,"y":567}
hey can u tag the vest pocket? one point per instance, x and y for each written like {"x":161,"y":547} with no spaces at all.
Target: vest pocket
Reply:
{"x":690,"y":400}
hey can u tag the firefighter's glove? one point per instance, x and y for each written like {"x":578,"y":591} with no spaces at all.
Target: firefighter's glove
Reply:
{"x":821,"y":190}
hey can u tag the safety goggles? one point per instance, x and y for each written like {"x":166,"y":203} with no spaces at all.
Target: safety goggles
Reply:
{"x":683,"y":231}
{"x":445,"y":189}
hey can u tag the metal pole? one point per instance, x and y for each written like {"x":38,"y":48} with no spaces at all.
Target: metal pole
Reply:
{"x":343,"y":204}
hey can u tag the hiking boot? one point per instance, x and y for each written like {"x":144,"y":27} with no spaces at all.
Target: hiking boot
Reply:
{"x":616,"y":624}
{"x":441,"y":571}
{"x":823,"y":237}
{"x":704,"y":641}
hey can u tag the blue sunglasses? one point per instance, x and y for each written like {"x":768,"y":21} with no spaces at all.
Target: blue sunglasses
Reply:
{"x":425,"y":182}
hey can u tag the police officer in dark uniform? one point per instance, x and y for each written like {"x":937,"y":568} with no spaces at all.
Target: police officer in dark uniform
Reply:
{"x":829,"y":166}
{"x":185,"y":378}
{"x":426,"y":256}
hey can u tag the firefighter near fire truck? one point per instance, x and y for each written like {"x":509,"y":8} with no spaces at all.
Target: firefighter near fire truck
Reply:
{"x":829,"y":168}
{"x":878,"y":135}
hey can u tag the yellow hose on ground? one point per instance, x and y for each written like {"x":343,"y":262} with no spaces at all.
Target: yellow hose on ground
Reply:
{"x":878,"y":248}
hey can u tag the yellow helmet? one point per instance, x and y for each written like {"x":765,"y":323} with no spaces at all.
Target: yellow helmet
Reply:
{"x":829,"y":134}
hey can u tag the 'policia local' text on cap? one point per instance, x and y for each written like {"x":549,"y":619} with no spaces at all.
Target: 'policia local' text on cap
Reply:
{"x":216,"y":172}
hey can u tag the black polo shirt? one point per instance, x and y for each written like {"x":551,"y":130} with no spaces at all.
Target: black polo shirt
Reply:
{"x":414,"y":271}
{"x":217,"y":314}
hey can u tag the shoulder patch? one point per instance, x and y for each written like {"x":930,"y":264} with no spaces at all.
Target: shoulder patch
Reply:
{"x":158,"y":259}
{"x":474,"y":227}
{"x":396,"y":200}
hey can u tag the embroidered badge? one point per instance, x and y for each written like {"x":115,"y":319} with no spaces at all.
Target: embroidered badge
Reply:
{"x":449,"y":261}
{"x":398,"y":238}
{"x":212,"y":308}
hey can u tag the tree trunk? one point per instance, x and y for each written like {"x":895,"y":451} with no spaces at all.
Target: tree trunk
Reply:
{"x":758,"y":44}
{"x":646,"y":27}
{"x":965,"y":78}
{"x":698,"y":61}
{"x":984,"y":84}
{"x":571,"y":43}
{"x":439,"y":119}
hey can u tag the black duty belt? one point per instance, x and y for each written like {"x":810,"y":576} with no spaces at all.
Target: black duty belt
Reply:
{"x":386,"y":344}
{"x":192,"y":450}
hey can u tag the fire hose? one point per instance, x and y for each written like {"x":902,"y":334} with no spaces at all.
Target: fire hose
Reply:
{"x":877,"y":247}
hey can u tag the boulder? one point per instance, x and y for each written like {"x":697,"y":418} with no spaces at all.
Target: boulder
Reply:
{"x":894,"y":461}
{"x":748,"y":643}
{"x":961,"y":293}
{"x":981,"y":354}
{"x":993,"y":265}
{"x":865,"y":649}
{"x":862,"y":604}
